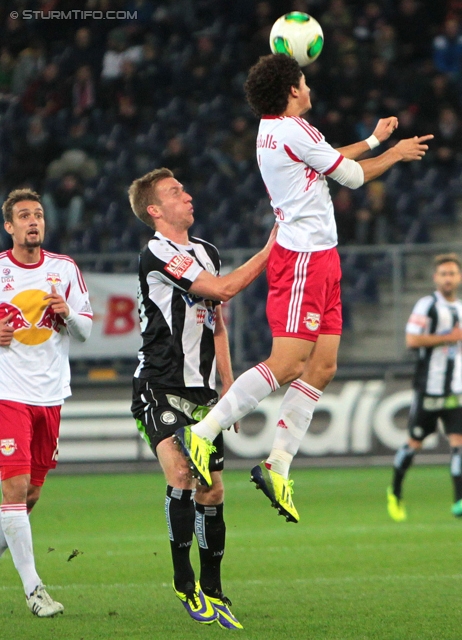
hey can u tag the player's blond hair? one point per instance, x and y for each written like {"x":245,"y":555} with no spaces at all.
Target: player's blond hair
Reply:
{"x":18,"y":195}
{"x":142,"y":193}
{"x":442,"y":258}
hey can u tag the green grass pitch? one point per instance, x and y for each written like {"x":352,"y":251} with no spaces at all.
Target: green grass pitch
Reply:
{"x":345,"y":571}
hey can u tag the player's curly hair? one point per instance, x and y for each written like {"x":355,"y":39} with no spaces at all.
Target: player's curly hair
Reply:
{"x":142,"y":193}
{"x":268,"y":84}
{"x":18,"y":195}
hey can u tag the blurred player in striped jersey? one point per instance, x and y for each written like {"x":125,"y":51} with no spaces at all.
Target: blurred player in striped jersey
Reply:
{"x":303,"y":308}
{"x":434,"y":328}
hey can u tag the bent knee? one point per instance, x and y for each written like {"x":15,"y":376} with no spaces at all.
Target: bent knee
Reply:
{"x":31,"y":502}
{"x":33,"y":495}
{"x":210,"y":495}
{"x":329,"y":371}
{"x":291,"y":373}
{"x":321,"y":375}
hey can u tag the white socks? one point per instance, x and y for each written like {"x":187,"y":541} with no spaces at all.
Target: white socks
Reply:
{"x":241,"y":398}
{"x":17,"y":532}
{"x":294,"y":419}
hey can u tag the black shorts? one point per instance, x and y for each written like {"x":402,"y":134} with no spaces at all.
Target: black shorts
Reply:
{"x":425,"y":411}
{"x":160,"y":412}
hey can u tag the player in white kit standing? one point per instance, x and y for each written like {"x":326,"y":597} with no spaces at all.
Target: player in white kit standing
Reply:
{"x":43,"y":301}
{"x":303,"y":307}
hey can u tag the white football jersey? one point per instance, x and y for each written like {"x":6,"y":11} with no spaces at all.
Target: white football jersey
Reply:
{"x":34,"y":368}
{"x":294,"y":160}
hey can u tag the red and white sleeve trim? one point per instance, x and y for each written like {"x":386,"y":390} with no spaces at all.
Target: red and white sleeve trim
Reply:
{"x":334,"y":166}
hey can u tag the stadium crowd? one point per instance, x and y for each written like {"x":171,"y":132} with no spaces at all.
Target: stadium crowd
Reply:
{"x":88,"y":104}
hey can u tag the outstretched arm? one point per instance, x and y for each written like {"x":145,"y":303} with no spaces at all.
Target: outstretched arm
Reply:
{"x":354,"y":174}
{"x":225,"y":287}
{"x":404,"y":151}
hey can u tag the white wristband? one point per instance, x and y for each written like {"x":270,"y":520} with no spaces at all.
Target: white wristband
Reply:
{"x":372,"y":142}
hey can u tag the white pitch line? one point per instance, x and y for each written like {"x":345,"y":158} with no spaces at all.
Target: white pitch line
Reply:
{"x":266,"y":582}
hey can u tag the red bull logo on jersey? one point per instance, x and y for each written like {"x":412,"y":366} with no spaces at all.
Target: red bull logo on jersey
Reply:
{"x":54,"y":278}
{"x":33,"y":320}
{"x":18,"y":321}
{"x":8,"y":447}
{"x":312,"y":320}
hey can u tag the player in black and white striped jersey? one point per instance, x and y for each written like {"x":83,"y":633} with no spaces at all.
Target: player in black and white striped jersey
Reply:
{"x":435,"y":329}
{"x":184,"y":343}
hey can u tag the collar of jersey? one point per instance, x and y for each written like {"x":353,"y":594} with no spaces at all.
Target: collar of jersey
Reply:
{"x":26,"y":266}
{"x":177,"y":244}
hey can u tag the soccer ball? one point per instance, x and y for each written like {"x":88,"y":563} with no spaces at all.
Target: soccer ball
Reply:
{"x":298,"y":35}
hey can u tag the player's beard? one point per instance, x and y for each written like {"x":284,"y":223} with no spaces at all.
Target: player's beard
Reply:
{"x":33,"y":243}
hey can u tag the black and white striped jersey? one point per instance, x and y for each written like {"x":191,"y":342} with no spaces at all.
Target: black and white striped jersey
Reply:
{"x":439,"y":369}
{"x":176,"y":327}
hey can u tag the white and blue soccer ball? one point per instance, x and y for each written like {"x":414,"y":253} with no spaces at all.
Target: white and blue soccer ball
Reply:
{"x":298,"y":35}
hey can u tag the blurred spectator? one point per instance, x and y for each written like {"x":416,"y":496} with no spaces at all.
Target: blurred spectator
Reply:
{"x":367,"y":22}
{"x":447,"y":50}
{"x":265,"y":16}
{"x":337,"y":16}
{"x":83,"y":92}
{"x":385,"y":42}
{"x":14,"y":36}
{"x":79,"y":137}
{"x":82,"y":52}
{"x":44,"y":96}
{"x":73,"y":161}
{"x":6,"y":73}
{"x":64,"y":205}
{"x":117,"y":52}
{"x":337,"y":132}
{"x":32,"y":151}
{"x":153,"y":75}
{"x":438,"y":91}
{"x":129,"y":83}
{"x":144,"y":14}
{"x":447,"y":145}
{"x":409,"y":126}
{"x":372,"y":219}
{"x":412,"y":25}
{"x":30,"y":64}
{"x":379,"y":95}
{"x":345,"y":208}
{"x":240,"y":140}
{"x":176,"y":158}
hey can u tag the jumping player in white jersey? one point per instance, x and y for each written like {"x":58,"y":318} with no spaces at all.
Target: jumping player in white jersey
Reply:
{"x":303,"y":308}
{"x":434,"y":328}
{"x":43,"y":301}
